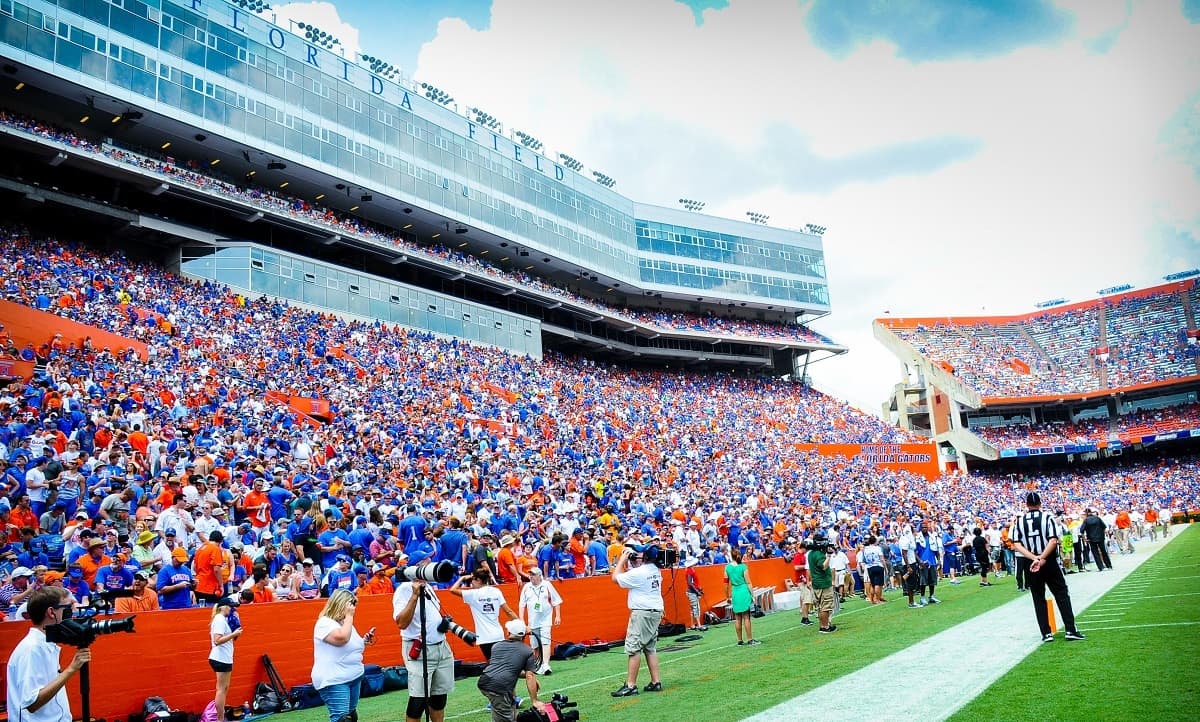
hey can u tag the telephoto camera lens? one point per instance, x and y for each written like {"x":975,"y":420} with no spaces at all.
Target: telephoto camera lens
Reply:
{"x":439,"y":573}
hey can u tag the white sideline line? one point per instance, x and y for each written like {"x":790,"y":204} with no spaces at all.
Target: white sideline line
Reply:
{"x":902,"y":681}
{"x":1144,"y":626}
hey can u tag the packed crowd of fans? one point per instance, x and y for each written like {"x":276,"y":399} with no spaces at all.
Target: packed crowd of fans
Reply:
{"x":1166,"y":420}
{"x":268,"y":200}
{"x":173,"y":473}
{"x":1061,"y":352}
{"x":1148,"y":341}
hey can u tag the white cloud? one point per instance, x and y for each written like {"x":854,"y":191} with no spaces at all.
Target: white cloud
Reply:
{"x":323,"y":15}
{"x":1074,"y":188}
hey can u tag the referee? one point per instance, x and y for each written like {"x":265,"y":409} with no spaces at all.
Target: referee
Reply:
{"x":1035,"y":537}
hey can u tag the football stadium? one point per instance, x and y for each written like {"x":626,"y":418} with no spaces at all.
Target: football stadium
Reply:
{"x":290,"y":341}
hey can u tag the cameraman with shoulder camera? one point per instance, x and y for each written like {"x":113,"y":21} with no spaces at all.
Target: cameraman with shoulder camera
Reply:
{"x":36,"y":688}
{"x":425,"y":651}
{"x":635,"y":571}
{"x":822,"y":581}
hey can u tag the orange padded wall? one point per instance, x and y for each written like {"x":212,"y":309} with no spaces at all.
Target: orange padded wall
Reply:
{"x":167,"y":655}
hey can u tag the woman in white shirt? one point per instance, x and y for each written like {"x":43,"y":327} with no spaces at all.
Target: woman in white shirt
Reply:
{"x":220,"y":658}
{"x":338,"y":656}
{"x":543,"y":605}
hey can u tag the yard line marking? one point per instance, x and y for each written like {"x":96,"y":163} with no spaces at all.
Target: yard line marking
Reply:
{"x":1144,"y":626}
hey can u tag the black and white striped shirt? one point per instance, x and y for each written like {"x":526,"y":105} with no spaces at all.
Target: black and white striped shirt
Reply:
{"x":1034,"y":530}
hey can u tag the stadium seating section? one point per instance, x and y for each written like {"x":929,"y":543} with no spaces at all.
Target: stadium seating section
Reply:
{"x":1132,"y":340}
{"x":268,"y":200}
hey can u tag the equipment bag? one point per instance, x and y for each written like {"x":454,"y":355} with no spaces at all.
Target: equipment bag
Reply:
{"x":568,"y":650}
{"x":266,"y":699}
{"x":305,"y":696}
{"x":373,"y":681}
{"x":395,"y":678}
{"x":671,"y":630}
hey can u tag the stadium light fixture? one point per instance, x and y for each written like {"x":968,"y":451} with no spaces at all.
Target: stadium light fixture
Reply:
{"x":353,"y":208}
{"x":407,"y":227}
{"x":253,"y":6}
{"x":570,"y":162}
{"x":486,"y":119}
{"x":214,"y":162}
{"x":20,"y":85}
{"x":317,"y":36}
{"x":814,"y":229}
{"x":164,"y":146}
{"x":756,"y":217}
{"x":319,"y":197}
{"x":436,"y":94}
{"x":85,"y":119}
{"x":604,"y":180}
{"x":284,"y":184}
{"x":380,"y":67}
{"x":529,"y":141}
{"x":692,"y":205}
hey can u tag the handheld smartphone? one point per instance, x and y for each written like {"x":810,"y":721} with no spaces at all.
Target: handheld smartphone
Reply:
{"x":370,"y":634}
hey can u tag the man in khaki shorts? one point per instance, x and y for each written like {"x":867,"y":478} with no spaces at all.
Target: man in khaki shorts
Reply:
{"x":803,"y":582}
{"x":636,"y":572}
{"x":822,"y":581}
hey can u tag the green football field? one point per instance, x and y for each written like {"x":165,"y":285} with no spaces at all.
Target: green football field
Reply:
{"x":1138,"y":660}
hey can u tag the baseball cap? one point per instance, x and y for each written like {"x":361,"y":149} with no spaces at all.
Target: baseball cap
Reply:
{"x":227,"y":602}
{"x":516,"y":628}
{"x":179,"y":554}
{"x":21,"y":572}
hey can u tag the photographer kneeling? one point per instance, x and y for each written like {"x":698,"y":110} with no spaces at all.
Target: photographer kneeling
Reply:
{"x":36,"y":689}
{"x":510,"y":659}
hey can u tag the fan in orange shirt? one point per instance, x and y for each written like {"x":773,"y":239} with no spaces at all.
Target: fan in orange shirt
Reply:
{"x":211,"y":569}
{"x":379,"y":583}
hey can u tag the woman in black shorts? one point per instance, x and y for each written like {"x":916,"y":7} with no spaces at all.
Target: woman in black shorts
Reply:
{"x":220,"y":658}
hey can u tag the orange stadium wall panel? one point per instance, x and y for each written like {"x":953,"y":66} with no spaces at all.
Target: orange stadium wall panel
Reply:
{"x":939,"y":417}
{"x":167,"y":655}
{"x":29,"y":326}
{"x":11,"y":368}
{"x":916,"y":458}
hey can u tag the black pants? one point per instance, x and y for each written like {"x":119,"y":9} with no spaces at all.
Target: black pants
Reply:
{"x":1022,"y":572}
{"x":1050,"y":575}
{"x":1100,"y":554}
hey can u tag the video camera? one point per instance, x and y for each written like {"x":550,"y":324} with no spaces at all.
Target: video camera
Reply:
{"x":82,"y":632}
{"x":661,"y":558}
{"x":558,"y":709}
{"x":820,"y":543}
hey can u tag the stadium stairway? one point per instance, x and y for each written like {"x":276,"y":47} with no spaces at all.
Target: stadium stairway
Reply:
{"x":1190,"y":314}
{"x":1045,"y":356}
{"x":968,"y":442}
{"x":933,"y":374}
{"x":1102,"y":368}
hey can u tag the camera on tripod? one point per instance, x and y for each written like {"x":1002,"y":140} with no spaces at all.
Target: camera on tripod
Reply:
{"x":448,"y":625}
{"x":558,"y":709}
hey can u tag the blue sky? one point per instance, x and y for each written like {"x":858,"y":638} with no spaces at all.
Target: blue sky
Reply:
{"x":964,"y":155}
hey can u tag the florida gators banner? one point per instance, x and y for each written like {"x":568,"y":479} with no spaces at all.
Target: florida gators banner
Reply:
{"x":918,"y":459}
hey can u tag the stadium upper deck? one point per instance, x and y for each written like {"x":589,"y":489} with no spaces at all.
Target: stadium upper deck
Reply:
{"x":1133,"y":340}
{"x":230,"y":92}
{"x":1090,"y":377}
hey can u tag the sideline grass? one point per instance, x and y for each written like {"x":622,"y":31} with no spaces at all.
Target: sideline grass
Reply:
{"x":715,"y":680}
{"x":1138,"y":661}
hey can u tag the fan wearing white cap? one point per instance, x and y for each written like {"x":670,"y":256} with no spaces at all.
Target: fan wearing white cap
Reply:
{"x":541,"y":604}
{"x":510,"y":659}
